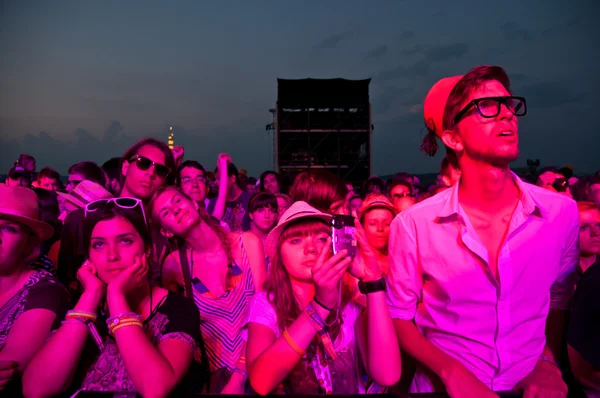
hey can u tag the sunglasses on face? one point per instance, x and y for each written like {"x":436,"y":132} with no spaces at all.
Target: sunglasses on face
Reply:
{"x":123,"y":203}
{"x":143,"y":163}
{"x":489,"y":107}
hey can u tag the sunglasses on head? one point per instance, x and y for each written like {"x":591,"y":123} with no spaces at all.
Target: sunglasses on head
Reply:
{"x":123,"y":203}
{"x":489,"y":107}
{"x":143,"y":163}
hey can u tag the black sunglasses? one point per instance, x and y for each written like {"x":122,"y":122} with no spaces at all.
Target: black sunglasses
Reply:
{"x":143,"y":163}
{"x":489,"y":107}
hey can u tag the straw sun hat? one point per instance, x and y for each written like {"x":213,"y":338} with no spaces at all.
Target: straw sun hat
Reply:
{"x":20,"y":204}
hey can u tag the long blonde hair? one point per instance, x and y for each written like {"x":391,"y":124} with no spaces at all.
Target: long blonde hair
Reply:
{"x":213,"y":223}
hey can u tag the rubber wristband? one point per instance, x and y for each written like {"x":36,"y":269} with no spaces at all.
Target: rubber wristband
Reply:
{"x":550,"y":360}
{"x":292,"y":343}
{"x":321,"y":304}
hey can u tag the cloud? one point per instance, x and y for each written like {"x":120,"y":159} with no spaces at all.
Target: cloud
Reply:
{"x":565,"y":27}
{"x":417,"y":48}
{"x":512,"y":32}
{"x":550,"y":94}
{"x":430,"y":56}
{"x":406,"y":35}
{"x":388,"y":97}
{"x":447,"y":52}
{"x":334,"y":40}
{"x":418,"y":69}
{"x":377,"y":53}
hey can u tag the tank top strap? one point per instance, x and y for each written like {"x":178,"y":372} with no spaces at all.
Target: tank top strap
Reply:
{"x":245,"y":263}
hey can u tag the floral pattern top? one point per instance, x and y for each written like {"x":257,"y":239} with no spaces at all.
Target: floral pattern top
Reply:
{"x":175,"y":318}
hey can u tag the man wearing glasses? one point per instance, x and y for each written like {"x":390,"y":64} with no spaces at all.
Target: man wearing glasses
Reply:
{"x":480,"y":274}
{"x":401,"y":192}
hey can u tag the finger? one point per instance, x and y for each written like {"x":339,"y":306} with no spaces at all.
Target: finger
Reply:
{"x":322,"y":255}
{"x":324,"y":268}
{"x":336,"y":258}
{"x":338,"y":268}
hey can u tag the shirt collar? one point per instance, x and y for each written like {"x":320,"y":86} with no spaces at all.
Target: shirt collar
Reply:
{"x":530,"y":206}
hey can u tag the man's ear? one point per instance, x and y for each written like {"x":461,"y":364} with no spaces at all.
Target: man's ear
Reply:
{"x":166,"y":233}
{"x":452,"y":140}
{"x":125,"y":168}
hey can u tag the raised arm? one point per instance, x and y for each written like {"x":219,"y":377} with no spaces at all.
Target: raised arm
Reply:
{"x":375,"y":332}
{"x":219,"y":210}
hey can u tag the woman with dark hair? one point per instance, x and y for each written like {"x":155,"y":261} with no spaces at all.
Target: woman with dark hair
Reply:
{"x":322,"y":190}
{"x":304,"y":333}
{"x":270,"y":181}
{"x":146,"y":337}
{"x":221,"y":271}
{"x":263,"y":210}
{"x":32,"y":302}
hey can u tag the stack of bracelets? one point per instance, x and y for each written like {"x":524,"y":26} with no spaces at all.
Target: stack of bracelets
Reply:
{"x":322,"y":333}
{"x":123,"y":320}
{"x":85,"y":318}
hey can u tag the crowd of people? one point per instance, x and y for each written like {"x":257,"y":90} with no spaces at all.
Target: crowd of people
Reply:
{"x":156,"y":275}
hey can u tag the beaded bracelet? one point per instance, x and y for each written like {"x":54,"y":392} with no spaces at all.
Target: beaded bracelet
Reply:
{"x":115,"y":319}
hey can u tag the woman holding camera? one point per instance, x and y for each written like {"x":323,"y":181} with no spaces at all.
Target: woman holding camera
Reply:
{"x":304,"y":333}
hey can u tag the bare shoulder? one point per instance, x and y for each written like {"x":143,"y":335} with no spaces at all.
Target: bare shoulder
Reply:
{"x":251,"y":240}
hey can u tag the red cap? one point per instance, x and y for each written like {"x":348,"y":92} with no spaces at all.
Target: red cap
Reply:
{"x":435,"y":103}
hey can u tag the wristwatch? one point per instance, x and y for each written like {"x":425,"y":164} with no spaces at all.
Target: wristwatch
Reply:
{"x":372,"y":286}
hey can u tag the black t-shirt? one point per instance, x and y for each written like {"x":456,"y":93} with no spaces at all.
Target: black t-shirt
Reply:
{"x":43,"y":292}
{"x":584,"y":328}
{"x":176,"y":317}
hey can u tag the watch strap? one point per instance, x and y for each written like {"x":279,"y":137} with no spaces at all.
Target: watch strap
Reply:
{"x":372,"y":286}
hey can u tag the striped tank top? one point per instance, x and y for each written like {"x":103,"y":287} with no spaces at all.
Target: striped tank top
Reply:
{"x":222,"y":318}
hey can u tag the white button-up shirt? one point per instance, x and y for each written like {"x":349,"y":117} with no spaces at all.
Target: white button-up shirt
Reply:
{"x":440,"y":277}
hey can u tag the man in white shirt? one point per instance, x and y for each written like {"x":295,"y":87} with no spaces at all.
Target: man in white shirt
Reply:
{"x":480,"y":274}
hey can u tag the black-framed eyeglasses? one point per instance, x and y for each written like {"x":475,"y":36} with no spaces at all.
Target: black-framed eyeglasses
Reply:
{"x":489,"y":107}
{"x":143,"y":163}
